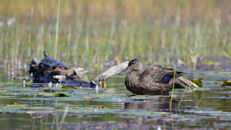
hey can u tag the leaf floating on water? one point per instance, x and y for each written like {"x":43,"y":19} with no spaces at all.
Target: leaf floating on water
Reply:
{"x":61,"y":95}
{"x":18,"y":104}
{"x":211,"y":63}
{"x":66,"y":87}
{"x":198,"y":82}
{"x":226,"y":83}
{"x":14,"y":105}
{"x":3,"y":90}
{"x":58,"y":107}
{"x":51,"y":90}
{"x":45,"y":94}
{"x":90,"y":98}
{"x":26,"y":89}
{"x":39,"y":112}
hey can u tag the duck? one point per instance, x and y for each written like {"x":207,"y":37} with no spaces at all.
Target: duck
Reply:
{"x":155,"y":79}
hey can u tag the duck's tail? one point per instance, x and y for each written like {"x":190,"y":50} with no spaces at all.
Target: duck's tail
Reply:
{"x":181,"y":82}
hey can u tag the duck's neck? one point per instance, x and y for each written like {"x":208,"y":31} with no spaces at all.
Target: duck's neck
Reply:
{"x":133,"y":78}
{"x":135,"y":74}
{"x":140,"y":68}
{"x":138,"y":71}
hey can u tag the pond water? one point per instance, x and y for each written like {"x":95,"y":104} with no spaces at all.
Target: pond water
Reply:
{"x":59,"y":107}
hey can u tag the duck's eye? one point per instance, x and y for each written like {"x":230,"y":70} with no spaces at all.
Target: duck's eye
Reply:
{"x":167,"y":78}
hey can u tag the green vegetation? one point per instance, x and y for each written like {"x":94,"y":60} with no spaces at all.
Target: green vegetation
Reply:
{"x":91,"y":33}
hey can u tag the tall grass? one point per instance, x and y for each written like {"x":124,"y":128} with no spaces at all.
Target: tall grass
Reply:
{"x":91,"y":33}
{"x":57,"y":29}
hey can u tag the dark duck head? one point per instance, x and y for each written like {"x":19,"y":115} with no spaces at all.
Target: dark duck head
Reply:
{"x":135,"y":65}
{"x":153,"y":79}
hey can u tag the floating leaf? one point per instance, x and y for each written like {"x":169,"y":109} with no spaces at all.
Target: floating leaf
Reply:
{"x":14,"y":105}
{"x":90,"y":98}
{"x":3,"y":90}
{"x":226,"y":83}
{"x":45,"y":94}
{"x":58,"y":107}
{"x":18,"y":104}
{"x":208,"y":62}
{"x":211,"y":63}
{"x":198,"y":82}
{"x":61,"y":95}
{"x":66,"y":87}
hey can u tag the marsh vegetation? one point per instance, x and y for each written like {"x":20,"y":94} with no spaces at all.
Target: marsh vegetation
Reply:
{"x":193,"y":35}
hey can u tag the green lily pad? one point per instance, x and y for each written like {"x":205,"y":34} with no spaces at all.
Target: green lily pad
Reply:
{"x":198,"y":82}
{"x":226,"y":83}
{"x":61,"y":95}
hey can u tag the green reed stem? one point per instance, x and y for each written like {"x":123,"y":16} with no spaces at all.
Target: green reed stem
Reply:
{"x":57,"y":29}
{"x":173,"y":86}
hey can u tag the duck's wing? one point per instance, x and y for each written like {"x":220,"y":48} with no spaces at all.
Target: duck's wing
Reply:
{"x":168,"y":69}
{"x":180,"y":81}
{"x":160,"y":74}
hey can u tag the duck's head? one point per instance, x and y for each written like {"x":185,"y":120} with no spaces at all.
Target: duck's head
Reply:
{"x":135,"y":65}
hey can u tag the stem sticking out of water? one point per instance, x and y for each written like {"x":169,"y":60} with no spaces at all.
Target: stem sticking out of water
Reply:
{"x":64,"y":115}
{"x":174,"y":78}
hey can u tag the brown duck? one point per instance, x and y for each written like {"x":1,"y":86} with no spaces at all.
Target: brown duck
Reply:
{"x":154,"y":79}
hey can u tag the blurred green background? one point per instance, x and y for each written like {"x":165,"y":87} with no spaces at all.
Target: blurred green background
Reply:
{"x":92,"y":32}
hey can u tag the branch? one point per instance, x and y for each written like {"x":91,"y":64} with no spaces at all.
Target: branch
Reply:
{"x":111,"y":72}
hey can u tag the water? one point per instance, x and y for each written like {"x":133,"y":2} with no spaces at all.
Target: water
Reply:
{"x":55,"y":107}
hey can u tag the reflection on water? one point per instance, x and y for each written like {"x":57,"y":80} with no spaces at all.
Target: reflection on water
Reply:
{"x":161,"y":104}
{"x":114,"y":107}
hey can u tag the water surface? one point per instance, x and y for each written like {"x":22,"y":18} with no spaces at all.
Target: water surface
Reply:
{"x":22,"y":106}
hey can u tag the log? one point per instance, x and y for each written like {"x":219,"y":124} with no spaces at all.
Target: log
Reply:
{"x":43,"y":73}
{"x":111,"y":72}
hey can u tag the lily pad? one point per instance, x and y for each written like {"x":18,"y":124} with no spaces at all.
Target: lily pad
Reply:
{"x":198,"y":82}
{"x":226,"y":83}
{"x":61,"y":95}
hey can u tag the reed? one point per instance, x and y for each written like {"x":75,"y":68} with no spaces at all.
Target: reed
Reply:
{"x":91,"y":33}
{"x":173,"y":89}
